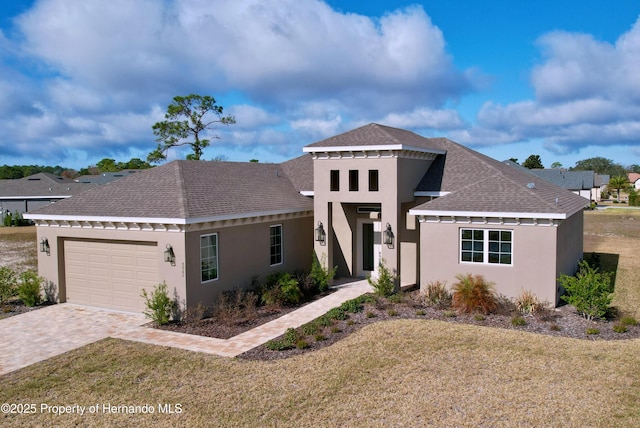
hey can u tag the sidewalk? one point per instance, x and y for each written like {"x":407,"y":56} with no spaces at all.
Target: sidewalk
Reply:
{"x":254,"y":337}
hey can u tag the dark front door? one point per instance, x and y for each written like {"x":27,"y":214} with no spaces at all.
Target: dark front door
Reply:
{"x":367,"y":247}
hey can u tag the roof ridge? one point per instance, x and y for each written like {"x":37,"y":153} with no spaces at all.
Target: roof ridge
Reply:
{"x":182,"y":194}
{"x":383,"y":130}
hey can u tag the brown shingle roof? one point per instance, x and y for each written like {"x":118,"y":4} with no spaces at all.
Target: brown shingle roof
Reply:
{"x":42,"y":185}
{"x":189,"y":190}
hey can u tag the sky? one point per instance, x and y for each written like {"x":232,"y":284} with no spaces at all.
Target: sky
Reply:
{"x":85,"y":80}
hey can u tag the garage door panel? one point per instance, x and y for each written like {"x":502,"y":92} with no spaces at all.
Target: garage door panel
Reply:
{"x":110,"y":274}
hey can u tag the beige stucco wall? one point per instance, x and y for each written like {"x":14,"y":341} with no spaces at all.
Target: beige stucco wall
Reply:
{"x":398,"y":178}
{"x":52,"y":266}
{"x":534,"y":259}
{"x":243,"y":252}
{"x":570,"y":244}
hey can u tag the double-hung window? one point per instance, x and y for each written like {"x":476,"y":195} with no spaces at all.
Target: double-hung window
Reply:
{"x":209,"y":257}
{"x":486,"y":246}
{"x":275,"y":244}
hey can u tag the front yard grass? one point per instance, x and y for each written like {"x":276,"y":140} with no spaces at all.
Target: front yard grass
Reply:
{"x":393,"y":373}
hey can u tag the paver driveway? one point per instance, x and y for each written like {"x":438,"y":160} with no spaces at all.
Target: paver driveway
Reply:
{"x":35,"y":336}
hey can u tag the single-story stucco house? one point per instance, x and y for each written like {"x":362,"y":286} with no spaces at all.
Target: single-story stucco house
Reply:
{"x":428,"y":207}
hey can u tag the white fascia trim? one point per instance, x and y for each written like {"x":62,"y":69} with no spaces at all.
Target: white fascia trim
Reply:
{"x":306,"y":192}
{"x":556,"y":216}
{"x":22,"y":198}
{"x":158,"y":220}
{"x":431,"y":193}
{"x":371,"y":148}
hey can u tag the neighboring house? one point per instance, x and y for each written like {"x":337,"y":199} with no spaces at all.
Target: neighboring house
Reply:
{"x":634,"y":179}
{"x":428,"y":208}
{"x":106,"y":177}
{"x":36,"y":191}
{"x":587,"y":184}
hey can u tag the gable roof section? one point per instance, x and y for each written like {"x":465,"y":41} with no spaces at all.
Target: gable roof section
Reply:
{"x":633,"y":177}
{"x":571,"y":180}
{"x":300,"y":172}
{"x":185,"y":192}
{"x":41,"y":186}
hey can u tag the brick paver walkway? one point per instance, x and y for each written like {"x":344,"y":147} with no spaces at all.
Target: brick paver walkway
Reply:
{"x":56,"y":329}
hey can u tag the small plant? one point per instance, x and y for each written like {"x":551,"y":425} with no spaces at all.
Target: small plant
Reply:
{"x":385,"y":284}
{"x":302,"y":344}
{"x":528,"y":303}
{"x":336,"y":314}
{"x":324,"y":321}
{"x":473,"y":293}
{"x":437,"y":295}
{"x":8,"y":284}
{"x":351,"y":306}
{"x":589,"y":291}
{"x":319,"y":337}
{"x":291,"y":335}
{"x":321,"y":275}
{"x":29,"y":288}
{"x":277,"y":345}
{"x":555,"y":327}
{"x":628,"y":320}
{"x":620,"y":328}
{"x":592,"y":330}
{"x":518,"y":321}
{"x":420,"y":312}
{"x":449,"y":314}
{"x":159,"y":305}
{"x":392,"y":313}
{"x":289,"y":289}
{"x":479,"y":317}
{"x":336,"y":329}
{"x":350,"y":322}
{"x":396,"y":298}
{"x":309,"y":328}
{"x":370,"y":314}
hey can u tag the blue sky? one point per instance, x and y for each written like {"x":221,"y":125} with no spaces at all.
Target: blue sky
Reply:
{"x":81,"y":81}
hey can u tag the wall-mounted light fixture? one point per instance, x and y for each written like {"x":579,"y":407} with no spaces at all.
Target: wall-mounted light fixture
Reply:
{"x":169,"y":255}
{"x":44,"y":246}
{"x":388,"y":236}
{"x":321,"y":236}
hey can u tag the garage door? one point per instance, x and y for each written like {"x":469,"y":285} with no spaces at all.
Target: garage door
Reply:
{"x":109,"y":274}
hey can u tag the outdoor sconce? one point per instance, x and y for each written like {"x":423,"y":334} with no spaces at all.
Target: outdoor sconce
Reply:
{"x":44,"y":246}
{"x":388,"y":236}
{"x":169,"y":255}
{"x":320,"y":234}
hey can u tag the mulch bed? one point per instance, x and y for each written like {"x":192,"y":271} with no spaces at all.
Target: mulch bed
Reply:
{"x":563,"y":321}
{"x":16,"y":307}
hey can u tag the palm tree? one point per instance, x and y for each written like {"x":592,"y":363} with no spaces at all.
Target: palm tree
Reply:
{"x":619,"y":182}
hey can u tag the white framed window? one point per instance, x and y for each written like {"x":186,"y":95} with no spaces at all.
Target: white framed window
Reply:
{"x":209,"y":257}
{"x":486,"y":246}
{"x":275,"y":244}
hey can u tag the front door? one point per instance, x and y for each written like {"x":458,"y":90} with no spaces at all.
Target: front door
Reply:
{"x":369,"y":248}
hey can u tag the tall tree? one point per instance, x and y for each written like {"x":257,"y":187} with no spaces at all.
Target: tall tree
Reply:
{"x":601,"y":166}
{"x":619,"y":183}
{"x":533,"y":162}
{"x":186,"y":121}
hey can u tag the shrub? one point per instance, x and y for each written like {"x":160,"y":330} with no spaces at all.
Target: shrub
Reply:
{"x":29,"y":288}
{"x":555,"y":327}
{"x":620,"y":328}
{"x":350,"y":322}
{"x":351,"y":306}
{"x":324,"y":321}
{"x":291,"y":336}
{"x":320,"y":275}
{"x":277,"y":345}
{"x":518,"y":321}
{"x":319,"y":337}
{"x":393,"y":313}
{"x":385,"y":284}
{"x":302,"y":344}
{"x":528,"y":303}
{"x":289,"y":289}
{"x":336,"y":330}
{"x":437,"y":294}
{"x":479,"y":317}
{"x":634,"y":198}
{"x":336,"y":314}
{"x":472,"y":293}
{"x":592,"y":330}
{"x":628,"y":320}
{"x":589,"y":291}
{"x":236,"y":305}
{"x":8,"y":284}
{"x":420,"y":312}
{"x":449,"y":314}
{"x":370,"y":314}
{"x":309,"y":328}
{"x":159,"y":305}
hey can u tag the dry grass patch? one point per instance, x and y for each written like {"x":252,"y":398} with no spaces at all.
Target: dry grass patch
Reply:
{"x":395,"y":373}
{"x":19,"y":248}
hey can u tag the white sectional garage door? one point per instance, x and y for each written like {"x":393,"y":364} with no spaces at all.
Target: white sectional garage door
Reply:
{"x":110,"y":274}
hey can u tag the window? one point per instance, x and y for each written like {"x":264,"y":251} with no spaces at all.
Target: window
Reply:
{"x":209,"y":257}
{"x":353,"y":180}
{"x":275,"y":244}
{"x":335,"y":180}
{"x":373,"y":180}
{"x":486,"y":246}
